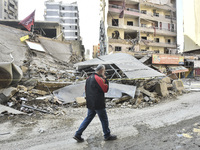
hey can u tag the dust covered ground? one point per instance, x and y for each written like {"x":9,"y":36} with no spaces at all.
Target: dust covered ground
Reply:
{"x":172,"y":124}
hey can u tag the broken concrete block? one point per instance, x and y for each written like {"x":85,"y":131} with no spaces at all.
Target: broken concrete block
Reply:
{"x":166,"y":80}
{"x":146,"y":92}
{"x":139,"y":100}
{"x":6,"y":94}
{"x":81,"y":101}
{"x":161,"y":89}
{"x":146,"y":99}
{"x":178,"y":85}
{"x":21,"y":87}
{"x":9,"y":92}
{"x":24,"y":69}
{"x":39,"y":92}
{"x":124,"y":98}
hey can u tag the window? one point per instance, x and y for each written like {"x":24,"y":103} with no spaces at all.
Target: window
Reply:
{"x":130,"y":23}
{"x":115,"y":22}
{"x":63,"y":8}
{"x":75,"y":20}
{"x":144,"y":37}
{"x":144,"y":11}
{"x":76,"y":33}
{"x":156,"y":51}
{"x":143,"y":25}
{"x":168,"y":16}
{"x":169,"y":41}
{"x":5,"y":3}
{"x":117,"y":48}
{"x":157,"y":40}
{"x":156,"y":14}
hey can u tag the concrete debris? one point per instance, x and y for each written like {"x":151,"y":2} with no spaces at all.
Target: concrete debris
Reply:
{"x":6,"y":94}
{"x":162,"y":89}
{"x":178,"y":85}
{"x":80,"y":101}
{"x":8,"y":110}
{"x":10,"y":74}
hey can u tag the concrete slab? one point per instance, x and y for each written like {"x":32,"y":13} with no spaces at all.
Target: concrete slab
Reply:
{"x":10,"y":110}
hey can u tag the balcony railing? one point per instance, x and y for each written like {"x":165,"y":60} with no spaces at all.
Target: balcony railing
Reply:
{"x":141,"y":12}
{"x":154,"y":43}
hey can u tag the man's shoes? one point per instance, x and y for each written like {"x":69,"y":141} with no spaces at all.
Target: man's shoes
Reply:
{"x":78,"y":139}
{"x":111,"y":138}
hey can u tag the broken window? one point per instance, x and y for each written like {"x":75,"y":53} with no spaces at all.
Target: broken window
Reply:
{"x":115,"y":35}
{"x":169,"y":41}
{"x":130,"y":23}
{"x":115,"y":22}
{"x":144,"y":37}
{"x":172,"y":27}
{"x":75,"y":27}
{"x":118,"y":48}
{"x":157,"y":40}
{"x":76,"y":33}
{"x":160,"y":25}
{"x":75,"y":20}
{"x":156,"y":14}
{"x":144,"y":11}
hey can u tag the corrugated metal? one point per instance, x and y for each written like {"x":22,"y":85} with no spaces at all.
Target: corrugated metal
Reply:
{"x":131,"y":67}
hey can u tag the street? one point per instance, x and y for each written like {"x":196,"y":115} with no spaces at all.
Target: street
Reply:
{"x":172,"y":124}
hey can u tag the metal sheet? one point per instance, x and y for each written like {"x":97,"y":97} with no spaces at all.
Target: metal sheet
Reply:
{"x":69,"y":93}
{"x":59,"y":50}
{"x":131,"y":67}
{"x":35,"y":46}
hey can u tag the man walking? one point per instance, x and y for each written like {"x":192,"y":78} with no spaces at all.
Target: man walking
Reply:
{"x":96,"y":86}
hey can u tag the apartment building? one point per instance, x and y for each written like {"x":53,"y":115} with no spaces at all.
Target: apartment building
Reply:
{"x":145,"y":25}
{"x":67,"y":15}
{"x":8,"y":9}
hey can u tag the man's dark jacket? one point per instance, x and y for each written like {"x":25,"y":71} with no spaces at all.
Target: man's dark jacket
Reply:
{"x":95,"y":88}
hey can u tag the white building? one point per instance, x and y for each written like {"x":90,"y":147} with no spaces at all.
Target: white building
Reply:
{"x":67,"y":15}
{"x":8,"y":9}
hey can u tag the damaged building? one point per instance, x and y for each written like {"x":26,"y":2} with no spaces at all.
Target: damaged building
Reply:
{"x":67,"y":15}
{"x":142,"y":25}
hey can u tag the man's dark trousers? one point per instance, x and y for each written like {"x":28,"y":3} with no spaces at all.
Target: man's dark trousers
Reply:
{"x":91,"y":114}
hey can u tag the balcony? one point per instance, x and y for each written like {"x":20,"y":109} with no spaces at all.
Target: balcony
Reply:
{"x":11,"y":9}
{"x":125,"y":27}
{"x":120,"y":41}
{"x":128,"y":11}
{"x":157,"y":44}
{"x":156,"y":30}
{"x":12,"y":2}
{"x":135,"y":12}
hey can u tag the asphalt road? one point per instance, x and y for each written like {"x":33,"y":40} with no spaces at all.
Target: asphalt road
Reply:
{"x":171,"y":125}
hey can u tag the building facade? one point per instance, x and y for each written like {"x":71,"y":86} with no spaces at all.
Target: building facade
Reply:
{"x":144,"y":25}
{"x":67,"y":15}
{"x":8,"y":9}
{"x":191,"y":24}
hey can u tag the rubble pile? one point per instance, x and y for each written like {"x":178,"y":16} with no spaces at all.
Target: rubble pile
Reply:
{"x":148,"y":93}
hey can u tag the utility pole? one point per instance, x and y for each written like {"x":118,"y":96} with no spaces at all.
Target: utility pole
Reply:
{"x":102,"y":31}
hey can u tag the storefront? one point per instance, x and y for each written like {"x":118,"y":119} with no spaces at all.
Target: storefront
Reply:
{"x":170,"y":65}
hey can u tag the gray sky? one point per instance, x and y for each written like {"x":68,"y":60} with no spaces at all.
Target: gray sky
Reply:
{"x":88,"y":12}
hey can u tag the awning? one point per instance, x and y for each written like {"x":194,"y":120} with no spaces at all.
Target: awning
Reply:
{"x":177,"y":69}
